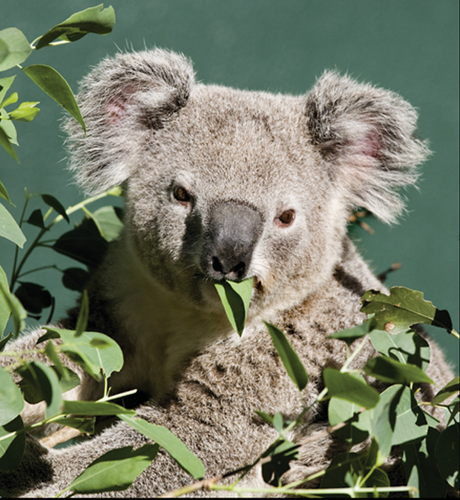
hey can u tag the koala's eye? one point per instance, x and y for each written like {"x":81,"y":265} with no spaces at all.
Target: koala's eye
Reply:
{"x":181,"y":194}
{"x":286,"y":218}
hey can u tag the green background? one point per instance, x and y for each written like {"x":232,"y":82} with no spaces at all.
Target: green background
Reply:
{"x":410,"y":47}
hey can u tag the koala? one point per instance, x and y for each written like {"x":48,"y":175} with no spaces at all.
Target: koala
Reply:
{"x":224,"y":184}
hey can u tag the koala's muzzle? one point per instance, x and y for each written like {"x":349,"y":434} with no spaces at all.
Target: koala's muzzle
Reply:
{"x":232,"y":234}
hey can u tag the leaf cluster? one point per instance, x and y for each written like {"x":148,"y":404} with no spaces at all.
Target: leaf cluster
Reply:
{"x":358,"y":413}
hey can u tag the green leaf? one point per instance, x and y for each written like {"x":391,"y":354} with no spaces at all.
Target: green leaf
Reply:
{"x":40,"y":383}
{"x":172,"y":444}
{"x":26,"y":112}
{"x":56,"y":205}
{"x":83,"y":243}
{"x":421,"y":467}
{"x":448,"y":453}
{"x":68,"y":381}
{"x":403,"y":308}
{"x":84,"y":425}
{"x":406,"y":347}
{"x":4,"y":194}
{"x":4,"y":306}
{"x":8,"y":127}
{"x":5,"y":84}
{"x":51,"y":82}
{"x":59,"y":368}
{"x":393,"y":372}
{"x":83,"y":315}
{"x":92,"y":20}
{"x":289,"y":357}
{"x":94,"y":409}
{"x":5,"y":341}
{"x":12,"y":448}
{"x":15,"y":307}
{"x":9,"y":229}
{"x":408,"y":422}
{"x":91,"y":359}
{"x":340,"y":410}
{"x":349,"y":335}
{"x":33,"y":297}
{"x":349,"y":387}
{"x":14,"y":48}
{"x":36,"y":219}
{"x":448,"y":390}
{"x":347,"y":469}
{"x":75,"y":278}
{"x":235,"y":298}
{"x":115,"y":470}
{"x":282,"y":452}
{"x":11,"y":400}
{"x":13,"y":98}
{"x":108,"y":221}
{"x":5,"y":142}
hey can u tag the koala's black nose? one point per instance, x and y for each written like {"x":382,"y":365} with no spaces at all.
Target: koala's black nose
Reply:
{"x":232,"y":234}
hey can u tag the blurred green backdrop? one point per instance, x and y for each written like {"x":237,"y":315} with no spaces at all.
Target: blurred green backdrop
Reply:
{"x":407,"y":46}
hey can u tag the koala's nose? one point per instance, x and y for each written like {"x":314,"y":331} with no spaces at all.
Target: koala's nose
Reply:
{"x":233,"y":232}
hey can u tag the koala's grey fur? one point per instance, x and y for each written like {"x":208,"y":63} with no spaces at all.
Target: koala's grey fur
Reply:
{"x":245,"y":159}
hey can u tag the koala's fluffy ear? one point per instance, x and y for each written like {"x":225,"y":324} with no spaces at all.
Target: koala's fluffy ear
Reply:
{"x":365,"y":135}
{"x":123,"y":100}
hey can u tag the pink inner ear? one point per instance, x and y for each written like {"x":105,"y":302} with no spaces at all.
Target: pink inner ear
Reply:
{"x":115,"y":110}
{"x":371,"y":145}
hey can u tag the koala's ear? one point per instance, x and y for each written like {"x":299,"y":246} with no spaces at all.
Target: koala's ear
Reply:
{"x":365,"y":136}
{"x":123,"y":101}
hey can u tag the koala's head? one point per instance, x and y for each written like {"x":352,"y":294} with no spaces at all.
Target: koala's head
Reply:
{"x":227,"y":184}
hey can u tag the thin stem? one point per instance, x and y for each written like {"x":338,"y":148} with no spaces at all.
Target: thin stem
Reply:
{"x":117,"y":396}
{"x":39,"y":269}
{"x":353,"y":355}
{"x":17,"y":248}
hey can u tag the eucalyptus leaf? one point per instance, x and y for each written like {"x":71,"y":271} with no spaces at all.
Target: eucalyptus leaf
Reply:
{"x":26,"y":112}
{"x":4,"y":306}
{"x":83,"y":243}
{"x":83,"y":315}
{"x":115,"y":470}
{"x":406,"y":347}
{"x":4,"y":194}
{"x":391,"y":371}
{"x":94,"y":408}
{"x":421,"y":467}
{"x":349,"y":335}
{"x":51,"y":82}
{"x":40,"y":383}
{"x":289,"y":357}
{"x":349,"y":387}
{"x":14,"y":48}
{"x":235,"y":297}
{"x":12,"y":99}
{"x":107,"y":220}
{"x":5,"y":142}
{"x":9,"y":229}
{"x":56,"y":205}
{"x":282,"y":452}
{"x":17,"y":310}
{"x":36,"y":219}
{"x":8,"y":127}
{"x":11,"y":400}
{"x":12,"y":448}
{"x":84,"y":425}
{"x":403,"y":308}
{"x":93,"y":20}
{"x":448,"y":390}
{"x":172,"y":444}
{"x":92,"y":359}
{"x":5,"y":84}
{"x":448,"y":453}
